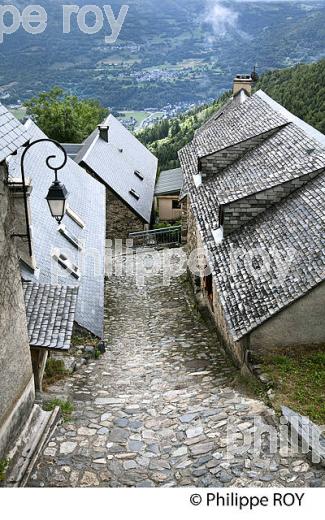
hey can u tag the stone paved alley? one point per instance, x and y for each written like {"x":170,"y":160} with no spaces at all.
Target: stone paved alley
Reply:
{"x":154,"y":410}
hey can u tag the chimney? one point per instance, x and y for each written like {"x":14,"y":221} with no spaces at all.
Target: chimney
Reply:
{"x":242,"y":82}
{"x":103,"y":132}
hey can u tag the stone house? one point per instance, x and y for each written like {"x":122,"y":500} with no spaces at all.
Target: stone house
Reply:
{"x":62,"y":265}
{"x":128,"y":170}
{"x":168,"y":188}
{"x":254,"y":191}
{"x":70,"y":254}
{"x":16,"y":375}
{"x":24,"y":426}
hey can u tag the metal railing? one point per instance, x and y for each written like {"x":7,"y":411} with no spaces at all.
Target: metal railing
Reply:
{"x":164,"y":237}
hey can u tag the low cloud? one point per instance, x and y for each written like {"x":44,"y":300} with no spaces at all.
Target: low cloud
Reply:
{"x":220,"y":17}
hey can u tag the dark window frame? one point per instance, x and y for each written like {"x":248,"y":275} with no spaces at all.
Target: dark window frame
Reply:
{"x":177,"y":203}
{"x":139,"y":175}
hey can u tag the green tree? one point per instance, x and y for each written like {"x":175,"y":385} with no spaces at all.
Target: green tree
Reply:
{"x":64,"y":117}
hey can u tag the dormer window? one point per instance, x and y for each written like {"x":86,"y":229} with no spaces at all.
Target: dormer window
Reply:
{"x":139,"y":175}
{"x":67,"y":264}
{"x":73,"y":215}
{"x":70,"y":236}
{"x":134,"y":194}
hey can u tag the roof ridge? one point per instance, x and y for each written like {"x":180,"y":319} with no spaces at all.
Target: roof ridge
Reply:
{"x":306,"y":127}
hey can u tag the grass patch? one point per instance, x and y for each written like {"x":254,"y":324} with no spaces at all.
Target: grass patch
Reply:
{"x":19,"y":113}
{"x":97,"y":353}
{"x":166,"y":224}
{"x":94,"y":354}
{"x":298,"y":376}
{"x":54,"y":371}
{"x":137,"y":115}
{"x":3,"y":468}
{"x":250,"y":386}
{"x":66,"y":407}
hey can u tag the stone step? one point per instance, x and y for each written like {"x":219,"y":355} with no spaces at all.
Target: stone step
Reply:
{"x":35,"y":435}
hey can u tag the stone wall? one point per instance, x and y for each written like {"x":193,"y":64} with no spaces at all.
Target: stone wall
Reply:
{"x":216,"y":162}
{"x":241,"y":211}
{"x":16,"y":378}
{"x":236,"y":349}
{"x":302,"y":323}
{"x":120,"y":220}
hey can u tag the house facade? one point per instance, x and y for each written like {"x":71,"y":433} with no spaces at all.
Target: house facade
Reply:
{"x":16,"y":375}
{"x":52,"y":276}
{"x":128,"y":170}
{"x":35,"y":318}
{"x":254,"y":191}
{"x":168,"y":188}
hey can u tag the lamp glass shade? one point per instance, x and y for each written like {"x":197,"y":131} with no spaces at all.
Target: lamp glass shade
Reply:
{"x":56,"y":199}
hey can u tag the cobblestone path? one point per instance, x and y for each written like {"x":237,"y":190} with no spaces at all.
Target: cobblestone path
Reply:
{"x":155,"y":409}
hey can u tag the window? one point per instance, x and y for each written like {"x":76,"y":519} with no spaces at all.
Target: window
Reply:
{"x":67,"y":264}
{"x":208,"y":285}
{"x":73,"y":215}
{"x":70,"y":236}
{"x":138,"y":174}
{"x":176,"y":204}
{"x":134,"y":194}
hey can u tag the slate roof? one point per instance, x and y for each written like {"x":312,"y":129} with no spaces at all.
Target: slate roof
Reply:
{"x":296,"y":225}
{"x":291,"y":236}
{"x":244,"y":121}
{"x":169,"y":182}
{"x":228,"y":105}
{"x":72,"y":149}
{"x":87,"y":199}
{"x":50,"y":311}
{"x":12,"y":133}
{"x":287,"y":155}
{"x":115,"y":163}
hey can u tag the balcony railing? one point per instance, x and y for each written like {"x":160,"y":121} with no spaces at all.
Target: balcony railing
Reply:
{"x":158,"y":238}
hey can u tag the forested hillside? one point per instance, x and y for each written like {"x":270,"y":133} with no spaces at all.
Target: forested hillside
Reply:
{"x":169,"y":136}
{"x":300,"y":89}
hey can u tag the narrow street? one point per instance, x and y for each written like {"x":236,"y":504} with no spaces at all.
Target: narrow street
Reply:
{"x":155,"y":408}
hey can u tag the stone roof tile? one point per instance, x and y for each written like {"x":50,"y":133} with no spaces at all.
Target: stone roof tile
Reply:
{"x":290,"y":239}
{"x":50,"y":312}
{"x":296,"y":224}
{"x":13,"y":134}
{"x":246,"y":120}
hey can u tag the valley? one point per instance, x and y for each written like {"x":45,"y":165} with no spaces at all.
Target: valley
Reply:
{"x":165,"y":60}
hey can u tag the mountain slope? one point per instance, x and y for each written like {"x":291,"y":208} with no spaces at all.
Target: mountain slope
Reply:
{"x":167,"y":53}
{"x":300,"y":89}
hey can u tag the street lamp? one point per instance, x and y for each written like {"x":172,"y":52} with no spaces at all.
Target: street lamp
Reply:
{"x":57,"y":195}
{"x":56,"y":199}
